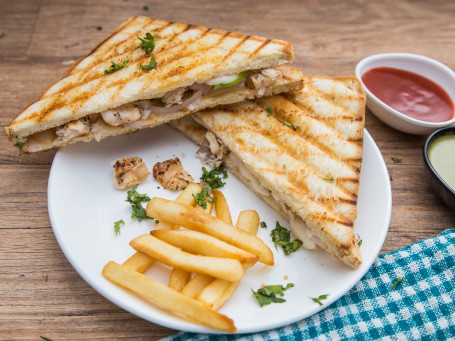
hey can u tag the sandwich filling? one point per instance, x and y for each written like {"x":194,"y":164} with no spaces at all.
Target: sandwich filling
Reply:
{"x":134,"y":115}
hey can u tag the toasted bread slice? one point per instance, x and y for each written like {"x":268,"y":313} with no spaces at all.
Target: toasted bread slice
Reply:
{"x":185,"y":55}
{"x":48,"y":139}
{"x":301,"y":152}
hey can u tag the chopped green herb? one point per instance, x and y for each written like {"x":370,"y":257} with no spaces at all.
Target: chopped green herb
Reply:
{"x":135,"y":199}
{"x":352,"y":120}
{"x":99,"y":28}
{"x":329,"y":178}
{"x":294,"y":101}
{"x":317,"y":99}
{"x":360,"y":242}
{"x":396,"y":160}
{"x":2,"y":35}
{"x":239,"y":78}
{"x":145,"y":8}
{"x":19,"y":144}
{"x":263,"y":225}
{"x":201,"y":198}
{"x":45,"y":338}
{"x":155,"y":30}
{"x":397,"y":281}
{"x":269,"y":111}
{"x":117,"y":226}
{"x":150,"y":66}
{"x":212,"y":178}
{"x":148,"y":42}
{"x":286,"y":123}
{"x":333,"y":97}
{"x":212,"y":200}
{"x":319,"y":299}
{"x":268,"y":294}
{"x":115,"y":67}
{"x":282,"y":236}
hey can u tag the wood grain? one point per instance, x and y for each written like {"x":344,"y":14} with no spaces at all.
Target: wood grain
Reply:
{"x":40,"y":292}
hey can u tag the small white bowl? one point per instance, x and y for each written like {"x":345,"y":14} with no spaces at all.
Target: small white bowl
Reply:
{"x":424,"y":66}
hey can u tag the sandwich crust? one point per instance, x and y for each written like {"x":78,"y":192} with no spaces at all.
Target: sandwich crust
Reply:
{"x":185,"y":54}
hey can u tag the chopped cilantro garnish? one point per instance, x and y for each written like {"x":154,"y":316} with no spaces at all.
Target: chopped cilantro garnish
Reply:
{"x":115,"y":67}
{"x":329,"y":178}
{"x":396,"y":160}
{"x":45,"y":338}
{"x":212,"y":200}
{"x":148,"y":42}
{"x":2,"y":34}
{"x":294,"y":101}
{"x":99,"y":28}
{"x":117,"y":226}
{"x":360,"y":242}
{"x":19,"y":144}
{"x":145,"y":8}
{"x":263,"y":225}
{"x":269,"y":111}
{"x":135,"y":199}
{"x":212,"y":178}
{"x":319,"y":299}
{"x":282,"y":236}
{"x":268,"y":294}
{"x":397,"y":281}
{"x":286,"y":123}
{"x":201,"y":198}
{"x":149,"y":66}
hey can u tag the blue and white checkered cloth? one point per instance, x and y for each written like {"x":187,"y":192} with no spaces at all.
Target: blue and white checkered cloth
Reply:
{"x":421,"y":307}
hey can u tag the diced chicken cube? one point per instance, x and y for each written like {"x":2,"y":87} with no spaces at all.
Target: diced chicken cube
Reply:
{"x":171,"y":175}
{"x":129,"y":172}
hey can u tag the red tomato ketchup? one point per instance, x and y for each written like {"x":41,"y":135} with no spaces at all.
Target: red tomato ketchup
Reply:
{"x":410,"y":94}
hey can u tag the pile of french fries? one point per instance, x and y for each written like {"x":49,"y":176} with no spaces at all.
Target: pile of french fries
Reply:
{"x":207,"y":254}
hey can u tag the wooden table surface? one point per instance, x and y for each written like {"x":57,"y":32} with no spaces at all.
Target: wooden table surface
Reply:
{"x":40,"y":293}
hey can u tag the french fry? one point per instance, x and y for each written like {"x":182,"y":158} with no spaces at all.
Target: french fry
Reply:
{"x":213,"y":291}
{"x":221,"y":207}
{"x":196,"y":285}
{"x":178,"y":279}
{"x":248,"y":221}
{"x":219,"y":291}
{"x":195,"y":219}
{"x":139,"y":262}
{"x":186,"y":198}
{"x":143,"y":262}
{"x":167,"y":297}
{"x":225,"y":268}
{"x":204,"y":244}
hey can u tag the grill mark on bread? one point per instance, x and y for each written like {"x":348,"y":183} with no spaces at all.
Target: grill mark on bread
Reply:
{"x":234,"y":48}
{"x":260,"y":47}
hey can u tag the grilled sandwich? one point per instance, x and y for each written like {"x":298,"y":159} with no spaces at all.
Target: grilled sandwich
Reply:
{"x":149,"y":72}
{"x":300,"y":152}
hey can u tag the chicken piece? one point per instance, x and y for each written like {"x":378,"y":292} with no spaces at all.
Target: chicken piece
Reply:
{"x":129,"y":172}
{"x":265,"y":78}
{"x":174,"y":97}
{"x":73,"y":129}
{"x":123,"y":114}
{"x":212,"y":151}
{"x":171,"y":175}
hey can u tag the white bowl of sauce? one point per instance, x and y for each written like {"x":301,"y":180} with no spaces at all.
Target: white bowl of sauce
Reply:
{"x":409,"y":92}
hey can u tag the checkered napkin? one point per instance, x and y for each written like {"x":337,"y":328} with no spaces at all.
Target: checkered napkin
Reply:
{"x":420,"y":307}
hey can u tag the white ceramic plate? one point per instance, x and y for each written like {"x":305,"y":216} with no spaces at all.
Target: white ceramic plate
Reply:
{"x":83,"y":205}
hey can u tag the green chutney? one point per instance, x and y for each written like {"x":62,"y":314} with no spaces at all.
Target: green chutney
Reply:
{"x":442,"y":157}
